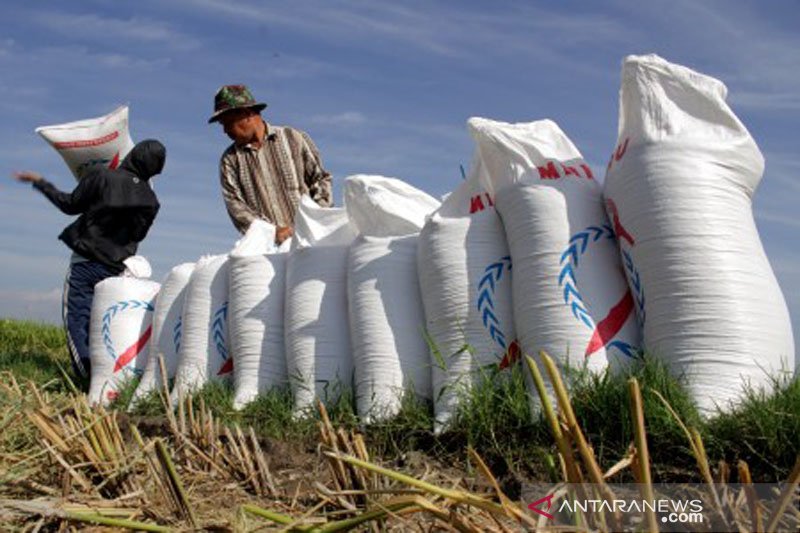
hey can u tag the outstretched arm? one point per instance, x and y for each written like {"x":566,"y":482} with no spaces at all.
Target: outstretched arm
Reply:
{"x":72,"y":203}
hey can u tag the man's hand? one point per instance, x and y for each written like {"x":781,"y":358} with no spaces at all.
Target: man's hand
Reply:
{"x":28,"y":176}
{"x":282,"y":233}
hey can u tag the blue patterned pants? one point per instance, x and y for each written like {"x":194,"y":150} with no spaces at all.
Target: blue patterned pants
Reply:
{"x":76,"y":310}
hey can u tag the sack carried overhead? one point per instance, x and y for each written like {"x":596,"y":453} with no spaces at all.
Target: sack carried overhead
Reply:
{"x":570,"y":297}
{"x":317,"y":336}
{"x":386,"y":314}
{"x":119,"y":334}
{"x":84,"y":144}
{"x":679,"y":191}
{"x":465,"y":276}
{"x":204,"y":351}
{"x":256,"y":313}
{"x":167,"y":326}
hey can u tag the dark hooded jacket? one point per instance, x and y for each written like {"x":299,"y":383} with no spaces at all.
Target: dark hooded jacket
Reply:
{"x":116,"y":207}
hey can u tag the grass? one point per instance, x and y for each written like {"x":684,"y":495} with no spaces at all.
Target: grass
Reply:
{"x":601,"y":404}
{"x":33,"y":351}
{"x":764,"y":430}
{"x":494,"y":418}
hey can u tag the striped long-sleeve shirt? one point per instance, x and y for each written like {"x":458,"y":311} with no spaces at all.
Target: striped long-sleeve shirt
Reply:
{"x":267,"y":182}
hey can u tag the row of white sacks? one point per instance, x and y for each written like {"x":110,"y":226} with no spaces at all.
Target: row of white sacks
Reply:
{"x":385,"y":294}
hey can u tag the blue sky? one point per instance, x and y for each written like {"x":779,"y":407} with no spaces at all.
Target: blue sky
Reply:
{"x":382,"y":87}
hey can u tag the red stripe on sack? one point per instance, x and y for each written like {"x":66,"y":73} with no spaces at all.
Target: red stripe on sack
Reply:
{"x":128,"y":355}
{"x":619,"y":230}
{"x":227,"y":368}
{"x":88,"y":142}
{"x":610,"y":325}
{"x":114,"y":162}
{"x":511,"y":356}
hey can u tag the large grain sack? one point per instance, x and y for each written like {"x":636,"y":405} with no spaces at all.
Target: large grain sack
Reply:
{"x":317,"y":336}
{"x":84,"y":144}
{"x":167,"y":329}
{"x":679,"y":191}
{"x":387,"y":325}
{"x":203,"y":356}
{"x":256,"y":313}
{"x":120,"y":334}
{"x":570,"y":296}
{"x":465,"y":276}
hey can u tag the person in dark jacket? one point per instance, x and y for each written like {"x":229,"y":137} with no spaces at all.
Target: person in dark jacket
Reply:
{"x":116,"y":208}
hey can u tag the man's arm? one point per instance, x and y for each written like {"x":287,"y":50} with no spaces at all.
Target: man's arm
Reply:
{"x":74,"y":203}
{"x":241,"y":214}
{"x":317,"y":179}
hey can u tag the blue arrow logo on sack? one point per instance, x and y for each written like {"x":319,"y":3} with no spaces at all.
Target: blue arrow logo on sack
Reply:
{"x":571,"y":252}
{"x":110,"y":313}
{"x":177,"y":333}
{"x":218,"y":328}
{"x":583,"y":237}
{"x":567,"y":271}
{"x":485,"y":299}
{"x":486,"y":288}
{"x":638,"y":290}
{"x":567,"y":277}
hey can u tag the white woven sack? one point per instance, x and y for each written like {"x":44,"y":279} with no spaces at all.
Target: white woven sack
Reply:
{"x":120,"y":334}
{"x":570,"y":296}
{"x":203,"y":356}
{"x":102,"y":141}
{"x":390,"y":354}
{"x":317,"y":336}
{"x":386,"y":207}
{"x":255,"y":320}
{"x":167,"y":328}
{"x":465,"y":276}
{"x":679,"y":191}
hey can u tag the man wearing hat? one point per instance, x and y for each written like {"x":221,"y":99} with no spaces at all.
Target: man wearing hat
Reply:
{"x":267,"y":168}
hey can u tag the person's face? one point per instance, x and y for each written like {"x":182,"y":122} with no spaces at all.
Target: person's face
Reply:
{"x":240,"y":125}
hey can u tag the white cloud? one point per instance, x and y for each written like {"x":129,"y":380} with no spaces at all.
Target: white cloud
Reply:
{"x":346,"y":118}
{"x":44,"y":305}
{"x":765,"y":100}
{"x":26,"y":297}
{"x":6,"y":47}
{"x":735,"y":42}
{"x":784,"y":169}
{"x":78,"y":58}
{"x":783,"y":219}
{"x":454,"y":32}
{"x":97,"y":28}
{"x":31,"y":267}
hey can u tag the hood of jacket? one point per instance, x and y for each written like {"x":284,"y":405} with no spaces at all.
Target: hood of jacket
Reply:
{"x":146,"y":159}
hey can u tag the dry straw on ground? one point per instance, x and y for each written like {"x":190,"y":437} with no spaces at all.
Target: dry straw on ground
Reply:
{"x":65,"y":465}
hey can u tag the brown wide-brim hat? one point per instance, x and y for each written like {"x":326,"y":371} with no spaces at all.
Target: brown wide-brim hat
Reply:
{"x":230,"y":97}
